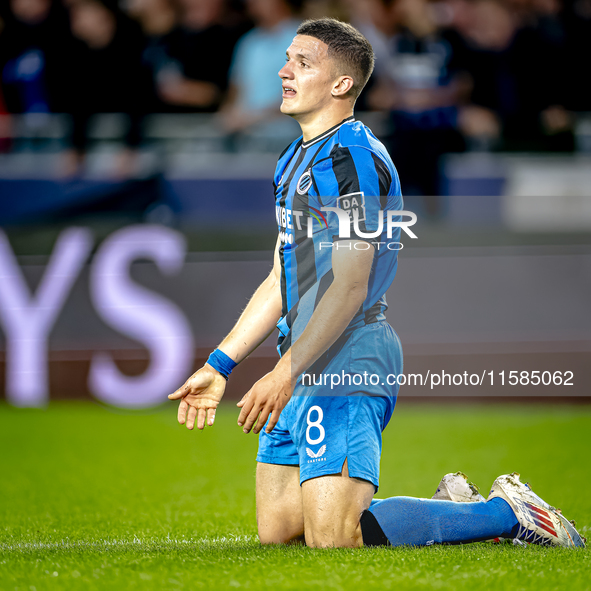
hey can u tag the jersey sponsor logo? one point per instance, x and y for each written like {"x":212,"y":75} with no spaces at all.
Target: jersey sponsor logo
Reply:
{"x":318,"y":454}
{"x":353,"y":202}
{"x":286,"y":220}
{"x":285,"y":237}
{"x":304,"y":183}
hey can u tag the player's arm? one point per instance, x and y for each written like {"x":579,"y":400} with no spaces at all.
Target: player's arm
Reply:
{"x":202,"y":392}
{"x":336,"y":309}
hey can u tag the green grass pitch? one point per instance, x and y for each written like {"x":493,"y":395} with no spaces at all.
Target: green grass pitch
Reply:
{"x":91,"y":498}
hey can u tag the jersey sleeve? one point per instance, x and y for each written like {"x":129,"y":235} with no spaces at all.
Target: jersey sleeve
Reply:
{"x":358,"y":181}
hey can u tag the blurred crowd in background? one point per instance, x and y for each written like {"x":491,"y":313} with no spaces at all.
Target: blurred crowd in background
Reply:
{"x":450,"y":76}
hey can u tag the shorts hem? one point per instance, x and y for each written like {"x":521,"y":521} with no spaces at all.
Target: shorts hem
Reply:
{"x":363,"y":476}
{"x":277,"y":461}
{"x":352,"y":474}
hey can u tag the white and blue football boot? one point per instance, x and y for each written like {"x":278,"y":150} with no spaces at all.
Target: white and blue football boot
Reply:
{"x":539,"y":522}
{"x":456,"y":487}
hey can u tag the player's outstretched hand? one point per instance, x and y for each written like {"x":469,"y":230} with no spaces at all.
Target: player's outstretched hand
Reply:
{"x":267,"y":397}
{"x":200,"y":396}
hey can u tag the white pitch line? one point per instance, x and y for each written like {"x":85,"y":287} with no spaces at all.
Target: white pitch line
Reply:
{"x":67,"y":544}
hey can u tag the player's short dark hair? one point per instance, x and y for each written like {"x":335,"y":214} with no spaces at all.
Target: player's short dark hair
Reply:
{"x":346,"y":45}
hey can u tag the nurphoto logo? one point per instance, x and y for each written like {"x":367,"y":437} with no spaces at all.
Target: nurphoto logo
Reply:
{"x":351,"y":210}
{"x":393,"y":220}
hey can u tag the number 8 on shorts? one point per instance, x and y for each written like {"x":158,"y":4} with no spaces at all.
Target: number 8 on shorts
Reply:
{"x":317,"y":424}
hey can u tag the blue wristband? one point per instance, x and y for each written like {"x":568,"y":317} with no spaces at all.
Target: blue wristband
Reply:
{"x":221,"y":362}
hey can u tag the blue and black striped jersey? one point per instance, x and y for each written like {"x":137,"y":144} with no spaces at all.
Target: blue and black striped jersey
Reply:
{"x":348,"y":168}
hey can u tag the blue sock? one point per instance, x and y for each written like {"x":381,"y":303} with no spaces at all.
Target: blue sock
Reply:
{"x":402,"y":521}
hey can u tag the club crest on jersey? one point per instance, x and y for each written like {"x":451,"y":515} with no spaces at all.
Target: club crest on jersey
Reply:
{"x":353,"y":202}
{"x":304,"y":183}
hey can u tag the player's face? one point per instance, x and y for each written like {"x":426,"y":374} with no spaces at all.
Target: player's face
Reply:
{"x":307,"y":77}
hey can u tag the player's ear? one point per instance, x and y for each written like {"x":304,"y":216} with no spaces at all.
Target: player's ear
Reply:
{"x":342,"y":86}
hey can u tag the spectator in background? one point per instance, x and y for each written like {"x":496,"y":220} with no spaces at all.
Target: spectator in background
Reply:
{"x":33,"y":44}
{"x":158,"y":20}
{"x":577,"y":22}
{"x":516,"y":62}
{"x":105,"y":75}
{"x":418,"y":81}
{"x":4,"y":116}
{"x":552,"y":25}
{"x":189,"y":62}
{"x":255,"y":88}
{"x":479,"y":125}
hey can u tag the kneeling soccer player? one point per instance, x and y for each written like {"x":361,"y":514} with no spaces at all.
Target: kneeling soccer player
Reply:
{"x":318,"y":461}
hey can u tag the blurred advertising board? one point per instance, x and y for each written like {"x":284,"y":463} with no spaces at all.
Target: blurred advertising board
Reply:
{"x":126,"y":318}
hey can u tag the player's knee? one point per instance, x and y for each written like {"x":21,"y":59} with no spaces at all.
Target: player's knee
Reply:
{"x":268,"y":535}
{"x":328,"y":531}
{"x":280,"y":531}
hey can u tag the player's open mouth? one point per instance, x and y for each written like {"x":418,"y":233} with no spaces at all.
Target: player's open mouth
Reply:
{"x":288,"y":92}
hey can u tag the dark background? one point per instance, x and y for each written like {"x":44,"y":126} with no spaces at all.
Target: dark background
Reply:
{"x":164,"y":113}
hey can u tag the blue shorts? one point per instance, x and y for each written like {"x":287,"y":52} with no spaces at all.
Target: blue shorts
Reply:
{"x":322,"y":425}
